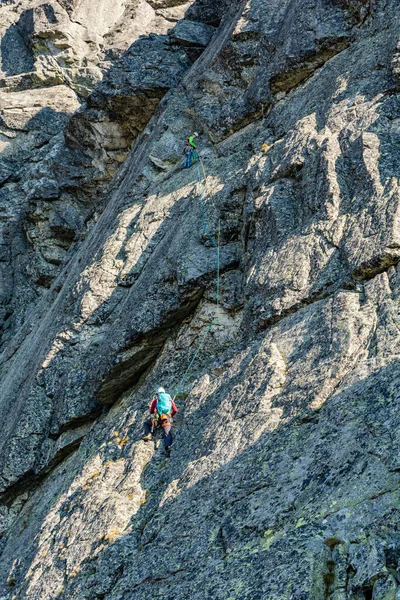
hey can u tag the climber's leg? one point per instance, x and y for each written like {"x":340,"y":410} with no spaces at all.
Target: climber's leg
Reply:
{"x":166,"y":436}
{"x":147,"y":429}
{"x":188,"y":160}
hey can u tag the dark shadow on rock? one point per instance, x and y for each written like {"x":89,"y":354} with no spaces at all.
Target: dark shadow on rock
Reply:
{"x":16,"y":56}
{"x":27,"y":194}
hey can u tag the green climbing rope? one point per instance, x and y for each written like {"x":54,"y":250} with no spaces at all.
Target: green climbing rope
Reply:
{"x":216,"y":244}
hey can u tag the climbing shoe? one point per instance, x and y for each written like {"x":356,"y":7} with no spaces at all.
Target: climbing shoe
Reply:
{"x":147,"y":437}
{"x":167,"y":450}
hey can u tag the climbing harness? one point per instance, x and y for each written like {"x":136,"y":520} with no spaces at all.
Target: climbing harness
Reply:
{"x":164,"y":420}
{"x":216,"y":245}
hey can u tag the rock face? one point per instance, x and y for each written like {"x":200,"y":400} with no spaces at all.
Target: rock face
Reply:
{"x":283,"y":481}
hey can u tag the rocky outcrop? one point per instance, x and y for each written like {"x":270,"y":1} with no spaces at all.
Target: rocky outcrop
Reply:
{"x":283,"y":481}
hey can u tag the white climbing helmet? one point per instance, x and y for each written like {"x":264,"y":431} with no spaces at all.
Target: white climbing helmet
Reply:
{"x":196,"y":134}
{"x":160,"y":390}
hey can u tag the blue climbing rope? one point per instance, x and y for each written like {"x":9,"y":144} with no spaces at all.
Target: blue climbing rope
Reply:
{"x":216,"y":245}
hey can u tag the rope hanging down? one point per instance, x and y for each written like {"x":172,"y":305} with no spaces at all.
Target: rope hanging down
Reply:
{"x":216,"y":245}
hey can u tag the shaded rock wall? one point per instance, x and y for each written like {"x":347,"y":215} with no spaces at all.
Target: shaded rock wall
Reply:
{"x":283,"y":480}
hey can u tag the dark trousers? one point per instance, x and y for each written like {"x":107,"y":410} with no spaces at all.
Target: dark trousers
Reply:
{"x":166,"y":434}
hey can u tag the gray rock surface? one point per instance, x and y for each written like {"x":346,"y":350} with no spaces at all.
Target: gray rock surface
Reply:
{"x":190,"y":33}
{"x":283,"y":481}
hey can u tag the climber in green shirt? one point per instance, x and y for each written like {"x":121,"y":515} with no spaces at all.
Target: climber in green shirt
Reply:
{"x":190,"y":151}
{"x":191,"y":139}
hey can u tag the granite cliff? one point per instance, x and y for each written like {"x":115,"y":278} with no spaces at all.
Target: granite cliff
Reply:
{"x":284,"y":477}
